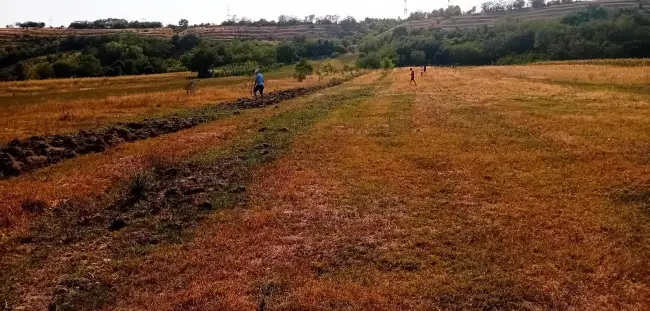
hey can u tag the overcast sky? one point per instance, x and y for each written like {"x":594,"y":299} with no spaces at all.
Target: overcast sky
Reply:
{"x":63,"y":12}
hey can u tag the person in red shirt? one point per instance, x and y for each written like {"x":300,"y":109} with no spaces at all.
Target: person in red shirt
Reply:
{"x":413,"y":78}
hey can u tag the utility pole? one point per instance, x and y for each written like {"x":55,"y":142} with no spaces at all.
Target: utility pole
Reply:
{"x":228,"y":11}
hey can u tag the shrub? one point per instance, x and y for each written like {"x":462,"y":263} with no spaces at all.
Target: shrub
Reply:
{"x":387,"y":63}
{"x":369,"y":62}
{"x":303,"y":69}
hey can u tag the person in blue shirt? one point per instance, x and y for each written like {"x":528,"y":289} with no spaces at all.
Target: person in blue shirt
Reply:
{"x":259,"y":84}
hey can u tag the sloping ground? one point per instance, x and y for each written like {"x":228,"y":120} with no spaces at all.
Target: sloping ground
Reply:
{"x":488,"y":188}
{"x":265,"y":33}
{"x":37,"y":152}
{"x":270,"y":33}
{"x":11,"y":34}
{"x":556,"y":11}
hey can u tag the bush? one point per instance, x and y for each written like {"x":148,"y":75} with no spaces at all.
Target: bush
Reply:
{"x":303,"y":69}
{"x":43,"y":71}
{"x":369,"y":62}
{"x":387,"y":63}
{"x":64,"y":69}
{"x":200,"y":60}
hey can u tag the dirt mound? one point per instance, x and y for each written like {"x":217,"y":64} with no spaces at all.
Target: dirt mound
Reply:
{"x":20,"y":156}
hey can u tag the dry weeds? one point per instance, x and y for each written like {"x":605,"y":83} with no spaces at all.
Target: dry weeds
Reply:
{"x":61,"y":106}
{"x":459,"y":194}
{"x":482,"y":189}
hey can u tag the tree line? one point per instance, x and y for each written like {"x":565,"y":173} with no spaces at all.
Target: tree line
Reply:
{"x":594,"y":32}
{"x":133,"y":54}
{"x":113,"y":23}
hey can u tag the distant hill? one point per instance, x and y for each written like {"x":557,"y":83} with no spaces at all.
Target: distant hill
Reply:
{"x":10,"y":36}
{"x":265,"y":33}
{"x":549,"y":12}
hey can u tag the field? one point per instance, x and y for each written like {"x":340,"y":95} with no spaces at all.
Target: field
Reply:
{"x":482,"y":188}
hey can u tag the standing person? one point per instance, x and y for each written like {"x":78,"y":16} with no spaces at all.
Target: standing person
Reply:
{"x":259,"y":84}
{"x":413,"y":78}
{"x":425,"y":69}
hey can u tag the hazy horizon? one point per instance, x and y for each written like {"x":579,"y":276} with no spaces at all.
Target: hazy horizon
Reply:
{"x":64,"y":12}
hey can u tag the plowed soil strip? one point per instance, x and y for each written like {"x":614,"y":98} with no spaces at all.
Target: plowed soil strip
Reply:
{"x":19,"y":157}
{"x":155,"y":209}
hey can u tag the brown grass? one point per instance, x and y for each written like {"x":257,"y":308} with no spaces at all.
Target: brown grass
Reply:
{"x":60,"y":106}
{"x":480,"y":189}
{"x":468,"y":192}
{"x":91,"y":175}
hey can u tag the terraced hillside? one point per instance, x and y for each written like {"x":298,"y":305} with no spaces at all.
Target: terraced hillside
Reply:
{"x":523,"y":14}
{"x":266,"y":33}
{"x":272,"y":33}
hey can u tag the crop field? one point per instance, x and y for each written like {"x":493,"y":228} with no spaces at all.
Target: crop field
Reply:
{"x":481,"y":188}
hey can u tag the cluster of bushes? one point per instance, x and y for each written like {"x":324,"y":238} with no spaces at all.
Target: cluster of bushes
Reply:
{"x":284,"y":20}
{"x":208,"y":55}
{"x":595,"y":32}
{"x":30,"y":24}
{"x":132,"y":54}
{"x":113,"y":23}
{"x":242,"y":69}
{"x":487,"y":7}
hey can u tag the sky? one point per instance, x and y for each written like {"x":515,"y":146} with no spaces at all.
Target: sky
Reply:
{"x":63,"y":12}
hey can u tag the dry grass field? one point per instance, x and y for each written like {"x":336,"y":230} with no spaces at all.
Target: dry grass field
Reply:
{"x":482,"y":188}
{"x":41,"y":107}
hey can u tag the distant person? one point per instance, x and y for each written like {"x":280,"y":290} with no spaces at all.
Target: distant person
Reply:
{"x":259,"y":84}
{"x":413,"y":78}
{"x":425,"y":69}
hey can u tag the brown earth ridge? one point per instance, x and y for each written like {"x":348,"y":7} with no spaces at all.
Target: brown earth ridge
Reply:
{"x":21,"y":156}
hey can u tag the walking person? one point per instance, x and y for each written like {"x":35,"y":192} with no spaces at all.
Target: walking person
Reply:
{"x":413,"y":78}
{"x":259,"y":84}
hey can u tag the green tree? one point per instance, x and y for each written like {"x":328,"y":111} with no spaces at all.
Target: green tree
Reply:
{"x":42,"y":71}
{"x":370,"y":61}
{"x":387,"y":63}
{"x":303,"y":69}
{"x":418,"y":57}
{"x":400,"y":31}
{"x":200,"y":60}
{"x":89,"y":66}
{"x":20,"y":71}
{"x":286,"y":53}
{"x":518,"y":4}
{"x":183,"y":23}
{"x":64,"y":69}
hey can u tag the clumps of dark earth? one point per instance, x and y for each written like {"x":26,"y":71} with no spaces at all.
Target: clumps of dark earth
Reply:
{"x":20,"y":156}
